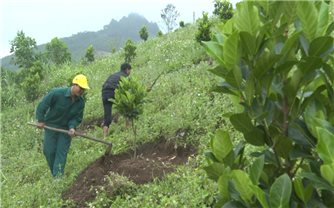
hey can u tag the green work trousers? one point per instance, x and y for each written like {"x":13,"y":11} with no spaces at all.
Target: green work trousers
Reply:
{"x":55,"y":148}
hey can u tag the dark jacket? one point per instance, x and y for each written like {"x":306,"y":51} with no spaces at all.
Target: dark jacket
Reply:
{"x":58,"y":110}
{"x":112,"y":83}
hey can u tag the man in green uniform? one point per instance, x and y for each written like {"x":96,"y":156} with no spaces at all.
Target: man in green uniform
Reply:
{"x":61,"y":108}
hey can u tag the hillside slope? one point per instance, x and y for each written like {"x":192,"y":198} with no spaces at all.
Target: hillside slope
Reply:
{"x":180,"y":108}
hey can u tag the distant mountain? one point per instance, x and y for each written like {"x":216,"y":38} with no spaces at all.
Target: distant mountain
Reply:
{"x":112,"y":36}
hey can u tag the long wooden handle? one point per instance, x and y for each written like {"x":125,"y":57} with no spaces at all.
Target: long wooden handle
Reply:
{"x":76,"y":133}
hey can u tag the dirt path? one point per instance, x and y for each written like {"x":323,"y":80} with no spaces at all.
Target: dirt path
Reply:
{"x":154,"y":160}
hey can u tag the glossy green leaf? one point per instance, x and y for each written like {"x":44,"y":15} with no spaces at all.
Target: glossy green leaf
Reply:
{"x":214,"y":170}
{"x":247,"y":43}
{"x":237,"y":75}
{"x":219,"y":38}
{"x":242,"y":122}
{"x":314,"y":92}
{"x":231,"y":51}
{"x":223,"y":186}
{"x":285,"y":67}
{"x":275,"y":10}
{"x":243,"y":184}
{"x":329,"y":71}
{"x":312,"y":123}
{"x":234,"y":194}
{"x":210,"y":156}
{"x":310,"y":64}
{"x":303,"y":193}
{"x":280,"y":192}
{"x":215,"y":50}
{"x":290,"y":44}
{"x":304,"y":43}
{"x":250,"y":89}
{"x":299,"y":133}
{"x":318,"y":182}
{"x":325,"y":146}
{"x":330,"y":28}
{"x":299,"y":189}
{"x":219,"y":71}
{"x":230,"y":159}
{"x":229,"y":27}
{"x":256,"y":170}
{"x":264,"y":64}
{"x":308,"y":15}
{"x":315,"y":117}
{"x":232,"y":79}
{"x":221,"y":145}
{"x":247,"y":18}
{"x":261,"y":196}
{"x":238,"y":108}
{"x":323,"y":19}
{"x":289,"y":11}
{"x":283,"y":146}
{"x":321,"y":46}
{"x":223,"y":89}
{"x":239,"y":148}
{"x":327,"y":172}
{"x":255,"y":136}
{"x":316,"y":109}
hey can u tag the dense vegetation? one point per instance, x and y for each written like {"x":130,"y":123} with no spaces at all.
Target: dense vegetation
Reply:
{"x":180,"y":101}
{"x":280,"y":70}
{"x":268,"y":125}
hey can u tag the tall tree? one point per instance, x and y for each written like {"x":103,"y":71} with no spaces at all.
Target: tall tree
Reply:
{"x":31,"y":83}
{"x":223,"y":9}
{"x":181,"y":23}
{"x":160,"y":34}
{"x":24,"y":50}
{"x":57,"y":51}
{"x":129,"y":51}
{"x":204,"y":29}
{"x":169,"y":16}
{"x":143,"y":33}
{"x":89,"y":56}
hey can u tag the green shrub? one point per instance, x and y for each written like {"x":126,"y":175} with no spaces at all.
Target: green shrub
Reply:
{"x":223,"y":9}
{"x":278,"y":66}
{"x":129,"y":51}
{"x":129,"y":100}
{"x":31,"y":83}
{"x":204,"y":29}
{"x":143,"y":33}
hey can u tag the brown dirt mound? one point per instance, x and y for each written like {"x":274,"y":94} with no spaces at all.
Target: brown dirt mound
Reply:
{"x":154,"y":160}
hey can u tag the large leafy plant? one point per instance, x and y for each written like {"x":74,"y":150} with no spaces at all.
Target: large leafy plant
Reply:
{"x":276,"y":59}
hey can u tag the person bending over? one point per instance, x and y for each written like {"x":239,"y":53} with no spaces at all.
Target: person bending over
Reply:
{"x":108,"y":91}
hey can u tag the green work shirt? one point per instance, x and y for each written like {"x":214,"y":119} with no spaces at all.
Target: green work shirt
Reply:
{"x":57,"y":109}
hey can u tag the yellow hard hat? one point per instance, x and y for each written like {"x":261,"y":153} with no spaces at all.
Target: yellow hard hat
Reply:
{"x":81,"y":80}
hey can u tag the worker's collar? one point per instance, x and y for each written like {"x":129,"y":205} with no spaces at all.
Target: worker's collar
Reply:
{"x":124,"y":73}
{"x":68,"y":92}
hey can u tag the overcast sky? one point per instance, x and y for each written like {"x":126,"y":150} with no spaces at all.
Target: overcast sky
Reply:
{"x":46,"y":19}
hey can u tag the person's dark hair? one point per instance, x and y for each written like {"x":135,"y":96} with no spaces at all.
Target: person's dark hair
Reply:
{"x":125,"y":66}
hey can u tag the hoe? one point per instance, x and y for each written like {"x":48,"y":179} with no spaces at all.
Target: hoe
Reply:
{"x":108,"y":151}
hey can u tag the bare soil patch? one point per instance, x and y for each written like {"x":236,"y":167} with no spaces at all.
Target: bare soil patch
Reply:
{"x":154,"y":160}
